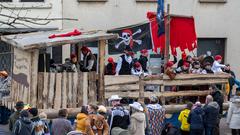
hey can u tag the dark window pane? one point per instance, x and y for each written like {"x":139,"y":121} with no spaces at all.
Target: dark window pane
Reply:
{"x":32,"y":0}
{"x":57,"y":54}
{"x":5,"y":0}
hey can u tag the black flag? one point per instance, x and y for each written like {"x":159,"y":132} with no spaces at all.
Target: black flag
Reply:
{"x":138,"y":37}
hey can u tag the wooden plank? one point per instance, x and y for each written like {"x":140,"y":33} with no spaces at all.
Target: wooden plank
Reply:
{"x":141,"y":89}
{"x":127,"y":87}
{"x":70,"y":99}
{"x":51,"y":89}
{"x":34,"y":77}
{"x":40,"y":90}
{"x":58,"y":92}
{"x":101,"y":67}
{"x":85,"y":88}
{"x":194,"y":82}
{"x":45,"y":89}
{"x":80,"y":90}
{"x":198,"y":76}
{"x":75,"y":79}
{"x":92,"y":88}
{"x":122,"y":94}
{"x":40,"y":39}
{"x":64,"y":90}
{"x":121,"y":79}
{"x":154,"y":82}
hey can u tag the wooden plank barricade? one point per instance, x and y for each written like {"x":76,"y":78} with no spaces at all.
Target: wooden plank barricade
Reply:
{"x":57,"y":90}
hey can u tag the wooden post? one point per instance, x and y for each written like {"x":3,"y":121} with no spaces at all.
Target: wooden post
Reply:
{"x":34,"y":77}
{"x":141,"y":89}
{"x":85,"y":88}
{"x":101,"y":66}
{"x":167,"y":34}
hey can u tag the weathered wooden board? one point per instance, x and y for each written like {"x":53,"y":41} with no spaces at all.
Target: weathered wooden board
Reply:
{"x":64,"y":90}
{"x":75,"y":83}
{"x":121,"y":79}
{"x":127,"y":87}
{"x":194,"y":82}
{"x":70,"y":99}
{"x":40,"y":90}
{"x":198,"y":76}
{"x":51,"y":89}
{"x":85,"y":88}
{"x":40,"y":39}
{"x":58,"y":92}
{"x":92,"y":88}
{"x":153,"y":82}
{"x":80,"y":90}
{"x":34,"y":77}
{"x":45,"y":90}
{"x":101,"y":67}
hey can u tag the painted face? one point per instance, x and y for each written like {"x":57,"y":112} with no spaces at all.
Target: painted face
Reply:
{"x":197,"y":66}
{"x":74,"y":60}
{"x":208,"y":67}
{"x":219,"y":61}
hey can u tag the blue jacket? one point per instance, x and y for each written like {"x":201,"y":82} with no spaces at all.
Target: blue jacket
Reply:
{"x":196,"y":118}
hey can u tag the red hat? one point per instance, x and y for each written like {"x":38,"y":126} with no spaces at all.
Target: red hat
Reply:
{"x":218,"y":57}
{"x":144,"y":51}
{"x":170,"y":64}
{"x":186,"y":64}
{"x":184,"y":56}
{"x":110,"y":60}
{"x":137,"y":65}
{"x":86,"y":49}
{"x":73,"y":56}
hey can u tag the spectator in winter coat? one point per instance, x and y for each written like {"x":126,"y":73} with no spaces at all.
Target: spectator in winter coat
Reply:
{"x":61,"y":126}
{"x":83,"y":123}
{"x":183,"y":117}
{"x":156,"y":116}
{"x":74,"y":62}
{"x":218,"y":97}
{"x":211,"y":117}
{"x":40,"y":127}
{"x":43,"y":117}
{"x":207,"y":68}
{"x":111,"y":67}
{"x":5,"y":84}
{"x":97,"y":121}
{"x":89,"y":60}
{"x":124,"y":63}
{"x":196,"y":120}
{"x":15,"y":116}
{"x":102,"y":110}
{"x":231,"y":80}
{"x":119,"y":117}
{"x":143,"y":60}
{"x":217,"y":67}
{"x":138,"y":121}
{"x":23,"y":126}
{"x":233,"y":117}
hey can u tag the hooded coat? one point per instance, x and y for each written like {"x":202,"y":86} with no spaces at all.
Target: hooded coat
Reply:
{"x":233,"y":117}
{"x":83,"y":124}
{"x":211,"y":117}
{"x":23,"y":126}
{"x":138,"y":124}
{"x":195,"y":118}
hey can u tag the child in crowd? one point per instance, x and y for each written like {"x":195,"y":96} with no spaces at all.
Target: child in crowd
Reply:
{"x":217,"y":66}
{"x":111,"y":67}
{"x":184,"y":69}
{"x":196,"y":68}
{"x":137,"y":69}
{"x":207,"y":68}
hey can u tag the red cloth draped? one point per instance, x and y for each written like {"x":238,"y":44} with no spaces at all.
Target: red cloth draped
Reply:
{"x":182,"y":34}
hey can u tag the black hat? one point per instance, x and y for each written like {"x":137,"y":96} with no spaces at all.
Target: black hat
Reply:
{"x":128,"y":48}
{"x":19,"y":104}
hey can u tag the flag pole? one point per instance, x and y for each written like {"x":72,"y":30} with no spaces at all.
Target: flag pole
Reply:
{"x":167,"y":40}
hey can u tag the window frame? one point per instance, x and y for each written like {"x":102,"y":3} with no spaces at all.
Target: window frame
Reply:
{"x":212,"y":1}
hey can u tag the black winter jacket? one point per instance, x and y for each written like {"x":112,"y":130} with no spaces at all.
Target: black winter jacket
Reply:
{"x":196,"y":118}
{"x":211,"y":117}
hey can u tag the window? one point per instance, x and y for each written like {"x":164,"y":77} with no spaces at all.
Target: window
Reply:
{"x":212,"y":1}
{"x":5,"y":0}
{"x":31,"y":0}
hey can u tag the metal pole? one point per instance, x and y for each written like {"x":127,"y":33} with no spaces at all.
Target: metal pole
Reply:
{"x":167,"y":35}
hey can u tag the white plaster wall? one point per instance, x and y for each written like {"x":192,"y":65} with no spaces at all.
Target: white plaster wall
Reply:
{"x":212,"y":20}
{"x":47,"y":9}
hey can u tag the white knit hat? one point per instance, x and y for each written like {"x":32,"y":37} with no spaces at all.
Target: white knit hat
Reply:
{"x":137,"y":106}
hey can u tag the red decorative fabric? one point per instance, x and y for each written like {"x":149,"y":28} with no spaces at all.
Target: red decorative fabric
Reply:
{"x":182,"y":34}
{"x":69,"y":34}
